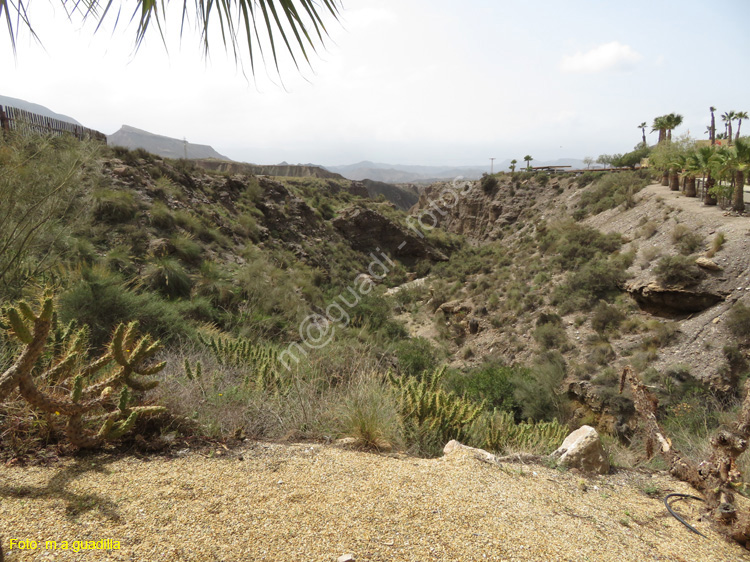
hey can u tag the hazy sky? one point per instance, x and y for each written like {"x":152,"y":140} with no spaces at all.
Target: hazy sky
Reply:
{"x":408,"y":81}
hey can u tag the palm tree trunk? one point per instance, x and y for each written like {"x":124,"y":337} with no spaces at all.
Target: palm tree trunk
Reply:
{"x":739,"y":125}
{"x":738,"y":200}
{"x":643,"y":132}
{"x":674,"y":180}
{"x":713,"y":129}
{"x":665,"y":178}
{"x":709,"y":199}
{"x":729,"y":125}
{"x":690,"y":187}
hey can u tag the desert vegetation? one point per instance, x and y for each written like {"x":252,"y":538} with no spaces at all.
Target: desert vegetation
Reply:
{"x":507,"y":343}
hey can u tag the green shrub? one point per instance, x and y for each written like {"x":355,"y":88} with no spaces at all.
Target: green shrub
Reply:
{"x":538,"y":391}
{"x":167,"y":276}
{"x":370,"y":414}
{"x":550,"y":336}
{"x":610,"y":191}
{"x":415,"y":355}
{"x":489,"y":184}
{"x":597,"y":280}
{"x":100,"y":300}
{"x":739,"y":322}
{"x":491,"y":383}
{"x":686,"y":241}
{"x":161,"y":216}
{"x":573,"y":245}
{"x":187,"y":249}
{"x":606,"y":318}
{"x":679,"y":271}
{"x":114,"y":207}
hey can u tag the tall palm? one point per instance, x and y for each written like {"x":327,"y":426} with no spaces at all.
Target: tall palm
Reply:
{"x":713,"y":126}
{"x":728,"y":117}
{"x":739,"y":115}
{"x":642,"y":127}
{"x":660,"y":124}
{"x":241,"y":24}
{"x":673,"y":120}
{"x":528,"y":160}
{"x":513,"y":165}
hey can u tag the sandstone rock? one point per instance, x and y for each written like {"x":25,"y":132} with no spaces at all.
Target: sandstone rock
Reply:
{"x":656,"y":299}
{"x":583,"y":450}
{"x":454,"y":446}
{"x":454,"y":307}
{"x":707,"y":263}
{"x":345,"y":558}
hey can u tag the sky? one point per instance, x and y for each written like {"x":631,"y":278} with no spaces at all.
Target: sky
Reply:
{"x":432,"y":82}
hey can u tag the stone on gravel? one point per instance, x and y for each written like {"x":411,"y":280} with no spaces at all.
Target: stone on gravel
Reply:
{"x":583,"y":450}
{"x":707,"y":263}
{"x":346,"y":558}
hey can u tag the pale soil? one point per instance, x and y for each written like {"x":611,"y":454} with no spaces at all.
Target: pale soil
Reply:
{"x":315,"y":503}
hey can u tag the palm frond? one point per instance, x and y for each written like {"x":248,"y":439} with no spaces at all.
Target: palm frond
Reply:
{"x":244,"y":25}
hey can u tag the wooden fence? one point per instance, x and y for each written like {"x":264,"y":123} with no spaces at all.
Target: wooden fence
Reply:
{"x":25,"y":122}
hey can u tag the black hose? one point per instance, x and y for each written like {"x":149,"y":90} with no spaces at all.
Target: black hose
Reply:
{"x":680,"y":519}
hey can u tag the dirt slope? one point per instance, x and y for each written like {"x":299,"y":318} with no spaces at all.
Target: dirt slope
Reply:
{"x":316,"y":503}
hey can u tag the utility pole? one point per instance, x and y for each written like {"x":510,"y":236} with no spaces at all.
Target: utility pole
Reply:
{"x":492,"y":166}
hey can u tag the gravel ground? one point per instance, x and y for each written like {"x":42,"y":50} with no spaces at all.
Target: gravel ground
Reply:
{"x":316,"y":503}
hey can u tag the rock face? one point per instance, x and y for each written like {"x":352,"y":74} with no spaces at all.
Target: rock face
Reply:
{"x":368,"y":230}
{"x":583,"y":450}
{"x":659,"y":300}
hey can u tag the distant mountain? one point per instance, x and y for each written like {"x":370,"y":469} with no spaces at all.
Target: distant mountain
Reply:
{"x":36,"y":108}
{"x":395,"y":173}
{"x":283,"y":169}
{"x":166,"y":147}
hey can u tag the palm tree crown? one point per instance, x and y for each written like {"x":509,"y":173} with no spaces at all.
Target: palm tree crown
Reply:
{"x":242,"y":24}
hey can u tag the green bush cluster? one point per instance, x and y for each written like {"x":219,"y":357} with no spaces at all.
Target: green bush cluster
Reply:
{"x":679,"y":271}
{"x":610,"y":191}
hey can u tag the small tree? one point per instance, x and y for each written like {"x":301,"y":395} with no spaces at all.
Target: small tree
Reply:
{"x":513,"y":165}
{"x":588,"y":160}
{"x":528,"y":160}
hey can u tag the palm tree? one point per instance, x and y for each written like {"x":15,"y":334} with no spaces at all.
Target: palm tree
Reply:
{"x":528,"y":160}
{"x":672,"y":121}
{"x":704,"y":157}
{"x":740,"y":115}
{"x":741,"y":162}
{"x":242,"y":24}
{"x":642,"y":127}
{"x":676,"y":165}
{"x":513,"y":165}
{"x":660,"y":124}
{"x":713,"y":126}
{"x":728,"y":117}
{"x":691,"y":169}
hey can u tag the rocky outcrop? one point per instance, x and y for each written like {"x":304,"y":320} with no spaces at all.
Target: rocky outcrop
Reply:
{"x":467,"y":209}
{"x":669,"y":301}
{"x":584,"y":451}
{"x":369,"y":231}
